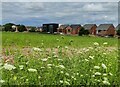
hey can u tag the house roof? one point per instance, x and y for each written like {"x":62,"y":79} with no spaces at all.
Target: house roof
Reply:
{"x":75,"y":26}
{"x":63,"y":26}
{"x":88,"y":26}
{"x":118,"y":27}
{"x":104,"y":26}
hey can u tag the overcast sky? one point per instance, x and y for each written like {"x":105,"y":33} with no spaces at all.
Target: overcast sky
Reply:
{"x":37,"y":13}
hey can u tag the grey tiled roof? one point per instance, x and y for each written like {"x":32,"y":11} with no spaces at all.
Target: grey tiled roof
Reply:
{"x":88,"y":26}
{"x":63,"y":26}
{"x":75,"y":26}
{"x":104,"y":26}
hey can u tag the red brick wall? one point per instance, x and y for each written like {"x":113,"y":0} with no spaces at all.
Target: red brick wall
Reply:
{"x":111,"y":31}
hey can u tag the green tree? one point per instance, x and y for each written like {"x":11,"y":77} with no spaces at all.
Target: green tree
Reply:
{"x":21,"y":28}
{"x":8,"y":27}
{"x":32,"y":29}
{"x":118,"y":31}
{"x":81,"y":32}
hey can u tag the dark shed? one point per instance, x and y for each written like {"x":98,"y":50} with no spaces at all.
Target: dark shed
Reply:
{"x":51,"y":27}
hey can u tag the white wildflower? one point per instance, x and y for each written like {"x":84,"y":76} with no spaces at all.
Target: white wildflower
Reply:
{"x":59,"y":59}
{"x":104,"y":53}
{"x":105,"y":78}
{"x":77,"y":73}
{"x":91,"y":57}
{"x":45,"y":59}
{"x":104,"y":66}
{"x":67,"y":74}
{"x":61,"y":66}
{"x":39,"y":77}
{"x":66,"y":47}
{"x":110,"y":73}
{"x":36,"y":49}
{"x":61,"y":81}
{"x":93,"y":75}
{"x":2,"y":81}
{"x":96,"y":67}
{"x":32,"y":70}
{"x":104,"y":74}
{"x":55,"y":56}
{"x":86,"y":60}
{"x":42,"y":67}
{"x":106,"y":82}
{"x":61,"y":72}
{"x":97,"y":73}
{"x":27,"y":62}
{"x":75,"y":79}
{"x":72,"y":77}
{"x":21,"y":66}
{"x":81,"y":75}
{"x":9,"y":66}
{"x":27,"y":80}
{"x":49,"y":65}
{"x":105,"y":43}
{"x":67,"y":83}
{"x":96,"y":44}
{"x":90,"y":48}
{"x":98,"y":80}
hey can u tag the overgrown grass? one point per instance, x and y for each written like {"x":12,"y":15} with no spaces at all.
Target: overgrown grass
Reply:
{"x":40,"y":59}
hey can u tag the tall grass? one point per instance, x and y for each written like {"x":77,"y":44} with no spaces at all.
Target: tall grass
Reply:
{"x":38,"y":59}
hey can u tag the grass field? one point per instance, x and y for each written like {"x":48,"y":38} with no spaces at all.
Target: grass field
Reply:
{"x":42,"y":59}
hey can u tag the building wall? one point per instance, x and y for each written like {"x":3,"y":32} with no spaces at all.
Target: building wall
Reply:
{"x":68,"y":30}
{"x":93,"y":30}
{"x":111,"y":31}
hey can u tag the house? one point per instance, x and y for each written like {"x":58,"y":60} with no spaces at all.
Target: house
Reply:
{"x":91,"y":28}
{"x":62,"y":29}
{"x":106,"y":30}
{"x":68,"y":30}
{"x":39,"y":29}
{"x":75,"y":29}
{"x":50,"y":27}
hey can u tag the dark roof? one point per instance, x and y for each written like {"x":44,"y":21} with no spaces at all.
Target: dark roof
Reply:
{"x":50,"y":23}
{"x":75,"y":26}
{"x":88,"y":26}
{"x":104,"y":26}
{"x":118,"y":27}
{"x":63,"y":26}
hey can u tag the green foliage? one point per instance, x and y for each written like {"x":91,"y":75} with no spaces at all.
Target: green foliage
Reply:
{"x":32,"y":29}
{"x":118,"y":32}
{"x":83,"y":32}
{"x":21,"y":28}
{"x":8,"y":27}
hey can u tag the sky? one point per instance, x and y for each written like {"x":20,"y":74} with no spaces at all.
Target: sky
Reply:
{"x":38,"y":13}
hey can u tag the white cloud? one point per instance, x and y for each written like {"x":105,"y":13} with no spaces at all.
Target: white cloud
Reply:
{"x":59,"y":12}
{"x":93,"y":7}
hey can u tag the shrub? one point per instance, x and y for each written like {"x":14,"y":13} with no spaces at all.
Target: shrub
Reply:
{"x":32,"y":29}
{"x":21,"y":28}
{"x":83,"y":32}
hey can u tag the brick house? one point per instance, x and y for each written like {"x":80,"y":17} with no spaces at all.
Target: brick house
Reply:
{"x":69,"y":29}
{"x":91,"y":28}
{"x":106,"y":30}
{"x":75,"y":29}
{"x":62,"y":29}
